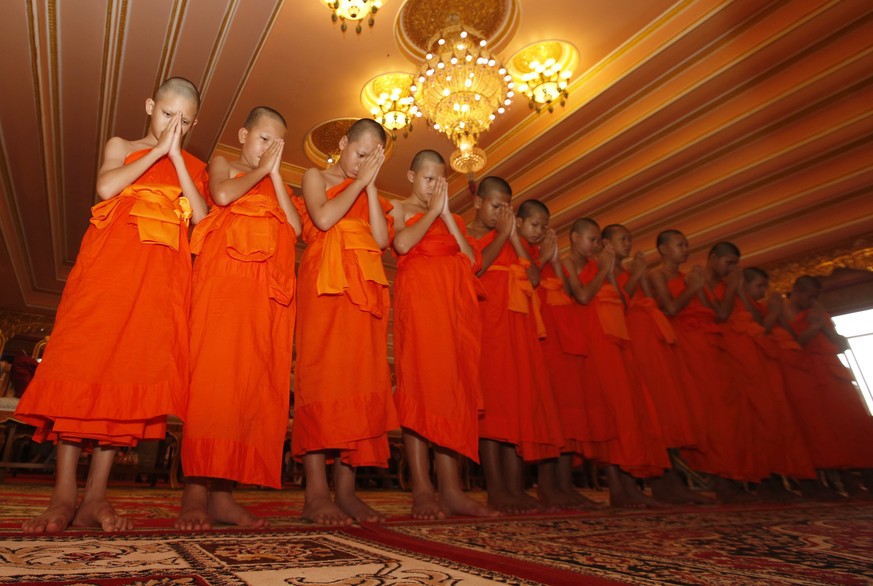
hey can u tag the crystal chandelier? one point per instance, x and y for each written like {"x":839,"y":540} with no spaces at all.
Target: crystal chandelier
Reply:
{"x":460,"y":89}
{"x":542,"y":72}
{"x":389,"y":99}
{"x":355,"y":10}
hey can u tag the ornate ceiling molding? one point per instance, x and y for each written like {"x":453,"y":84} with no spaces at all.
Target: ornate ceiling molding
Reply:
{"x":856,"y":256}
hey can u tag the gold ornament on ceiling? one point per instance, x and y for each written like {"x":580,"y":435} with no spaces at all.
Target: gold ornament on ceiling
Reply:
{"x":355,"y":11}
{"x":321,"y":144}
{"x":461,"y":88}
{"x":542,"y":72}
{"x":858,"y":256}
{"x":388,"y":97}
{"x":419,"y":20}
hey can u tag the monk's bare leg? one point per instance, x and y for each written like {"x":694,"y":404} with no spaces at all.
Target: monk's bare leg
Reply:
{"x":347,"y":497}
{"x":223,"y":508}
{"x":815,"y":490}
{"x":854,"y":487}
{"x":513,"y":472}
{"x":95,"y":510}
{"x":548,"y":491}
{"x":773,"y":489}
{"x":452,"y":498}
{"x":623,"y":490}
{"x":424,"y":499}
{"x":565,"y":483}
{"x":62,"y":507}
{"x":194,"y":515}
{"x":730,"y":492}
{"x":317,"y":504}
{"x":670,"y":488}
{"x":499,"y":498}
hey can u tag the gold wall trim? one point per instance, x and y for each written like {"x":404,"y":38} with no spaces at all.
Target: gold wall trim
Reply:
{"x":856,"y":256}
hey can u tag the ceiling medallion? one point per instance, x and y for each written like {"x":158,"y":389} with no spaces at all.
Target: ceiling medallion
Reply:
{"x":461,"y":88}
{"x":419,"y":20}
{"x":389,"y":99}
{"x":354,"y":10}
{"x":321,"y":144}
{"x":542,"y":72}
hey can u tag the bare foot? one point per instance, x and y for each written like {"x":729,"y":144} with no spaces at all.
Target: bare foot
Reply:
{"x":324,"y":512}
{"x":729,"y":493}
{"x":581,"y":501}
{"x":99,"y":513}
{"x":426,"y":508}
{"x":625,"y":499}
{"x":358,"y":510}
{"x":773,"y":491}
{"x":814,"y":490}
{"x":670,"y":489}
{"x":509,"y":504}
{"x":458,"y":503}
{"x":224,"y":509}
{"x":55,"y":518}
{"x":555,"y":498}
{"x":194,"y":515}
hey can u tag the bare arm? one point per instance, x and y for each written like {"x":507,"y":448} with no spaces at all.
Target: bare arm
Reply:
{"x":637,"y":276}
{"x":584,"y":293}
{"x":505,"y":224}
{"x":533,"y":271}
{"x":406,"y":237}
{"x":669,"y":305}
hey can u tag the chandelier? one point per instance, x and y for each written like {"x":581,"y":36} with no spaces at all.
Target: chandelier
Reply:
{"x":355,"y":10}
{"x":389,"y":99}
{"x":542,"y":72}
{"x":460,"y":89}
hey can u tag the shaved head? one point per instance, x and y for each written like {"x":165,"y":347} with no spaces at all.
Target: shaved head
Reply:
{"x":532,"y":206}
{"x":583,"y":224}
{"x":724,"y":249}
{"x":807,"y":283}
{"x":260,"y":112}
{"x":366,"y":126}
{"x":665,"y":236}
{"x":179,"y":86}
{"x":493,"y":183}
{"x":426,"y":156}
{"x":611,"y":230}
{"x":752,"y":273}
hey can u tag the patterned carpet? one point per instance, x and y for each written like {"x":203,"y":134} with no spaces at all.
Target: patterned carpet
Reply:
{"x":797,"y":544}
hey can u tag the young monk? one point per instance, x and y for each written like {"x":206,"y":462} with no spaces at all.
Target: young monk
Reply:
{"x":515,"y":425}
{"x":117,"y":362}
{"x":654,"y":351}
{"x":343,"y":407}
{"x":437,"y":341}
{"x":683,"y":298}
{"x":816,"y":436}
{"x":770,"y":425}
{"x":837,"y":402}
{"x":242,"y":322}
{"x":563,"y":348}
{"x":638,"y":450}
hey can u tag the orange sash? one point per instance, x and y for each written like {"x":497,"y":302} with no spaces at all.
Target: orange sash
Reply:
{"x":352,"y":234}
{"x":158,"y":211}
{"x":610,"y":312}
{"x":522,"y":298}
{"x":555,"y":294}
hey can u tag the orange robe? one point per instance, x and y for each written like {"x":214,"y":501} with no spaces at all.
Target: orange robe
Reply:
{"x":117,"y":361}
{"x":836,"y":405}
{"x":564,"y":349}
{"x":726,"y":447}
{"x":753,"y":370}
{"x":242,"y":325}
{"x":342,"y":387}
{"x":437,"y":341}
{"x":639,"y":447}
{"x":519,"y":406}
{"x":656,"y":354}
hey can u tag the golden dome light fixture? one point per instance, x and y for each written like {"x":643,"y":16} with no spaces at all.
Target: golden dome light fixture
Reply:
{"x":354,"y":10}
{"x":542,"y":72}
{"x":388,"y":97}
{"x":461,"y":88}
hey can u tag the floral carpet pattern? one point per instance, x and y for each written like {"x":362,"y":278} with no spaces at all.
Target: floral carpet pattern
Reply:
{"x":797,"y":544}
